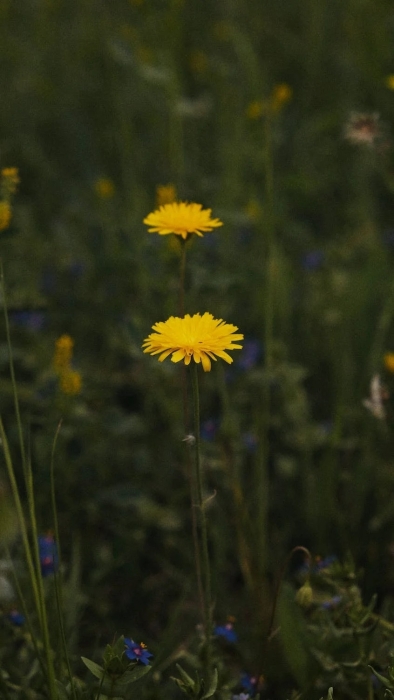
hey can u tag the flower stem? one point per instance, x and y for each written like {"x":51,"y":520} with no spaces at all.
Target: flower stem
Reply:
{"x":182,"y":271}
{"x":205,"y":565}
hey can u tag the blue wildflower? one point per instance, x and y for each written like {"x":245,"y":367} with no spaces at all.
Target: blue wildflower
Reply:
{"x":137,"y":652}
{"x":32,"y":320}
{"x":331,"y":603}
{"x":16,"y":618}
{"x":250,"y":441}
{"x":313,"y":260}
{"x":226,"y":631}
{"x":209,"y":429}
{"x":48,"y":554}
{"x":249,"y":683}
{"x":249,"y":355}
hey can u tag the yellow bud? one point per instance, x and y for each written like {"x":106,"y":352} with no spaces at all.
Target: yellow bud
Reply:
{"x":304,"y":595}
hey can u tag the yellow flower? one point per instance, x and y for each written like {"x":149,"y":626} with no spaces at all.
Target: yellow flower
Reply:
{"x":281,"y":94}
{"x":390,"y":81}
{"x":198,"y":337}
{"x":255,"y":109}
{"x":63,"y":353}
{"x":182,"y":219}
{"x":5,"y":215}
{"x":104,"y":188}
{"x":165,"y":194}
{"x":70,"y":382}
{"x":10,"y":179}
{"x":389,"y":361}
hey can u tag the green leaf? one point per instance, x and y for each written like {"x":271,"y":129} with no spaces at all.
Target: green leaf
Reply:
{"x":94,"y":668}
{"x":294,"y":636}
{"x":188,"y":681}
{"x":382,"y":679}
{"x":132,"y":675}
{"x":212,"y":686}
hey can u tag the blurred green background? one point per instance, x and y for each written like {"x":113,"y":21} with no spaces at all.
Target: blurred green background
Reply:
{"x":101,"y":103}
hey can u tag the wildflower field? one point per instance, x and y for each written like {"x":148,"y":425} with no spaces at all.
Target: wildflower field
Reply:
{"x":197,"y":350}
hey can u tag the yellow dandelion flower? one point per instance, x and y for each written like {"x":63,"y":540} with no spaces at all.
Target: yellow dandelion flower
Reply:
{"x":389,"y":361}
{"x":390,"y":81}
{"x":63,"y":353}
{"x":182,"y":219}
{"x":255,"y":109}
{"x":10,"y":179}
{"x":5,"y":215}
{"x":104,"y":188}
{"x":165,"y":194}
{"x":281,"y":94}
{"x":70,"y":382}
{"x":199,"y":337}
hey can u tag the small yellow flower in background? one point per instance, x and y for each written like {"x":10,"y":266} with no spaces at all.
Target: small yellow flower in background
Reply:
{"x":70,"y":382}
{"x":63,"y":352}
{"x":165,"y":194}
{"x":181,"y":218}
{"x":255,"y":109}
{"x":10,"y":180}
{"x":390,"y":81}
{"x":253,"y":210}
{"x":281,"y":94}
{"x":389,"y":361}
{"x":104,"y":188}
{"x":5,"y":215}
{"x":198,"y":337}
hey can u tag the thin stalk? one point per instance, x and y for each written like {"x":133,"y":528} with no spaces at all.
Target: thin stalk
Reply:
{"x":205,"y":564}
{"x":182,"y":271}
{"x":25,"y":611}
{"x":41,"y":593}
{"x":57,"y":578}
{"x":261,"y":475}
{"x":21,"y":520}
{"x":12,"y":371}
{"x":189,"y":466}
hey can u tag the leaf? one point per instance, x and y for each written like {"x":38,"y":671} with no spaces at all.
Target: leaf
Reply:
{"x":294,"y":636}
{"x":212,"y":686}
{"x":188,"y":681}
{"x":382,"y":679}
{"x":94,"y":668}
{"x":133,"y":674}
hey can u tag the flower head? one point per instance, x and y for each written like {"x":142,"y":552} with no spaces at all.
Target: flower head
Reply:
{"x":226,"y":631}
{"x":16,"y":618}
{"x":63,"y":352}
{"x":389,"y":361}
{"x":137,"y":652}
{"x":104,"y":188}
{"x":70,"y":381}
{"x":363,"y":129}
{"x":390,"y":81}
{"x":5,"y":215}
{"x":281,"y":94}
{"x":10,"y":180}
{"x":198,"y":337}
{"x":181,"y":218}
{"x":48,"y":554}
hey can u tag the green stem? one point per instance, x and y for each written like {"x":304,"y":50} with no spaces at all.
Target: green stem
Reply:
{"x":12,"y":371}
{"x":21,"y":520}
{"x":57,"y":577}
{"x":206,"y":569}
{"x":182,"y":271}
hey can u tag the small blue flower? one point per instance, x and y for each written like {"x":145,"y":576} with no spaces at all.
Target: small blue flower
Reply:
{"x":249,"y":355}
{"x":313,"y":260}
{"x":32,"y":320}
{"x":137,"y":652}
{"x":49,"y":559}
{"x":226,"y":631}
{"x":209,"y":429}
{"x":249,"y":683}
{"x":331,"y":603}
{"x":16,"y":618}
